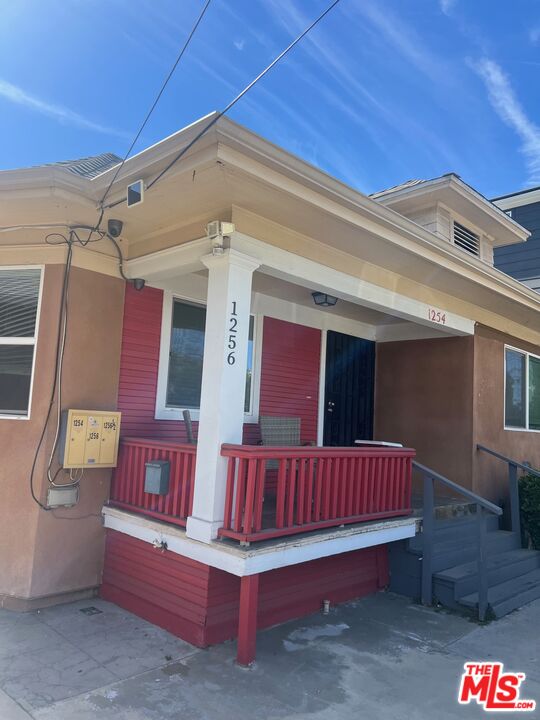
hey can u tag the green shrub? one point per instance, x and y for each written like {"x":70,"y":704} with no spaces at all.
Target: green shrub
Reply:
{"x":529,"y":498}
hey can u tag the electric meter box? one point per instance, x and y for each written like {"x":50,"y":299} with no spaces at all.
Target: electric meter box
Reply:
{"x":89,"y":439}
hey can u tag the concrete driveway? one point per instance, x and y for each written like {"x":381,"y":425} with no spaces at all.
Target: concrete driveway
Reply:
{"x":378,"y":658}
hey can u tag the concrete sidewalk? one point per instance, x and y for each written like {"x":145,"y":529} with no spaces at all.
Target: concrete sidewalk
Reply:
{"x":378,"y":658}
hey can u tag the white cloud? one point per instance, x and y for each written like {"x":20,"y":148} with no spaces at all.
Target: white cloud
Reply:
{"x":18,"y":96}
{"x":239,"y":44}
{"x":447,"y":6}
{"x":506,"y":104}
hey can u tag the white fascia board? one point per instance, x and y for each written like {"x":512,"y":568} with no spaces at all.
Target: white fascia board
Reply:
{"x":44,"y":183}
{"x":525,"y":198}
{"x":171,"y":262}
{"x":313,"y":275}
{"x":149,"y":161}
{"x":240,"y":561}
{"x":377,"y":219}
{"x":407,"y":331}
{"x":314,"y":317}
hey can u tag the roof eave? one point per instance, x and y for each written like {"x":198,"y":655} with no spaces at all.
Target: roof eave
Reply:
{"x":455,"y":183}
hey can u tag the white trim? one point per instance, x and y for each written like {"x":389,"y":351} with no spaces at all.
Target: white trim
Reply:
{"x":282,"y":553}
{"x":162,"y":410}
{"x":527,"y":197}
{"x":526,"y":382}
{"x":313,"y":317}
{"x":308,"y":273}
{"x":27,"y":341}
{"x":171,"y":262}
{"x":258,"y":332}
{"x":322,"y":388}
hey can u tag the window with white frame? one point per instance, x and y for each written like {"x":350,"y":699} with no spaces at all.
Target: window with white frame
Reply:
{"x":522,"y":390}
{"x":185,"y":358}
{"x":19,"y":302}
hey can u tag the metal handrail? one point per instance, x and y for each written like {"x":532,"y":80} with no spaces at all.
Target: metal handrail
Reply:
{"x":428,"y":531}
{"x":495,"y":509}
{"x":513,"y":483}
{"x":496,"y":454}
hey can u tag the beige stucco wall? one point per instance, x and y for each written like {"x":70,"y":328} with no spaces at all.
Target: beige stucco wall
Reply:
{"x":443,"y":397}
{"x":44,"y":553}
{"x":423,"y":399}
{"x":491,"y":475}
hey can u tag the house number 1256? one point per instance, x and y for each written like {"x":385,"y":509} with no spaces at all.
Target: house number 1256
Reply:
{"x":233,"y":329}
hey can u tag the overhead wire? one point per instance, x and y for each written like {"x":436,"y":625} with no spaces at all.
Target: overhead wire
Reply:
{"x":157,"y":99}
{"x":95,"y":229}
{"x":232,"y":103}
{"x":58,"y":238}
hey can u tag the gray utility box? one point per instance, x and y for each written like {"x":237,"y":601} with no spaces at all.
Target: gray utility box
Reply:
{"x":156,"y":477}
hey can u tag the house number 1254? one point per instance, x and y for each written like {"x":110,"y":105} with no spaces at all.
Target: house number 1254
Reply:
{"x":233,"y":330}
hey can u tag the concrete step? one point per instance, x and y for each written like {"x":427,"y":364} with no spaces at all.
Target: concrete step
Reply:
{"x":509,"y":595}
{"x":458,"y":581}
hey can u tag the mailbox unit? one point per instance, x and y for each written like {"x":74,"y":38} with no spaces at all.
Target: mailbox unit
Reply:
{"x":89,"y":438}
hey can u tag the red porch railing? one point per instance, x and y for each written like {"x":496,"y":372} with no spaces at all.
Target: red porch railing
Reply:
{"x":127,"y":489}
{"x":317,"y":487}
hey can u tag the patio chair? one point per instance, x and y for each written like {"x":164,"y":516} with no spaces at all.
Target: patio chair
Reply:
{"x":281,"y":432}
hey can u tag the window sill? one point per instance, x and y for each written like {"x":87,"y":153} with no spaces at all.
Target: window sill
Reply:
{"x":14,"y":417}
{"x":176,"y":414}
{"x":524,"y":430}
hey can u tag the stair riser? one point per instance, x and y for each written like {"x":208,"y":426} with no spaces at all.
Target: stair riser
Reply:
{"x":406,"y":562}
{"x":449,"y":592}
{"x":450,"y":530}
{"x":404,"y":584}
{"x":499,"y":575}
{"x":454,"y":554}
{"x":516,"y":602}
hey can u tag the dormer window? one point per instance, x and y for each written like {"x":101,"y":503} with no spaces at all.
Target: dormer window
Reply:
{"x":466,"y":239}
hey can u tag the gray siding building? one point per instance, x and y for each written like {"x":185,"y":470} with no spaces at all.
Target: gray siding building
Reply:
{"x":522,"y":261}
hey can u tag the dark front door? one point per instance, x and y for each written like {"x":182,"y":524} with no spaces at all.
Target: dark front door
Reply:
{"x":349,"y":385}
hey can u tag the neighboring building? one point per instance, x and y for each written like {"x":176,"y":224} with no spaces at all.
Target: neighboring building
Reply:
{"x":428,"y":346}
{"x":522,"y":262}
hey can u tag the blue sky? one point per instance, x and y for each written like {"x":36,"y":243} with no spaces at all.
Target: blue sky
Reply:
{"x":382,"y":91}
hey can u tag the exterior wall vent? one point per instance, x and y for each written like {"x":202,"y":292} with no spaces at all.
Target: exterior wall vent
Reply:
{"x":466,"y":239}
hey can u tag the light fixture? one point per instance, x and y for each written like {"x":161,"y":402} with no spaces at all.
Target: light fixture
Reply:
{"x":324,"y":300}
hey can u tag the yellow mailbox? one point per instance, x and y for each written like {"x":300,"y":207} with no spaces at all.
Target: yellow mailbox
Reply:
{"x":89,"y":438}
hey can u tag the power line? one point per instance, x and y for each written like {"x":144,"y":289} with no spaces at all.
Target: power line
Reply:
{"x":233,"y":102}
{"x":160,"y":93}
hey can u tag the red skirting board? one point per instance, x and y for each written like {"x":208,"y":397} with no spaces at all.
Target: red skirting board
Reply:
{"x":200,"y":604}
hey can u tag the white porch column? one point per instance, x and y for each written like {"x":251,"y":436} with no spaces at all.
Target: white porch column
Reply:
{"x":223,"y":388}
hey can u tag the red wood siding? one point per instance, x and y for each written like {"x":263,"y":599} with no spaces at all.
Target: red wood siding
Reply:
{"x":164,"y":588}
{"x":200,"y":604}
{"x":295,"y":591}
{"x":139,"y":362}
{"x":289,"y":374}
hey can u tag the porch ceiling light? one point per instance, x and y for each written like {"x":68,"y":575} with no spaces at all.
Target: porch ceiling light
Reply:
{"x":324,"y":300}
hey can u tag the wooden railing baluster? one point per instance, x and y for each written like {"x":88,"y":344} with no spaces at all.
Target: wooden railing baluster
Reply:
{"x":316,"y":488}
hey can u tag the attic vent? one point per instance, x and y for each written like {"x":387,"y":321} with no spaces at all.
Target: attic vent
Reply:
{"x":466,"y":239}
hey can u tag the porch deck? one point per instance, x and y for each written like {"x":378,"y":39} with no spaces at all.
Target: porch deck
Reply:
{"x":313,"y":488}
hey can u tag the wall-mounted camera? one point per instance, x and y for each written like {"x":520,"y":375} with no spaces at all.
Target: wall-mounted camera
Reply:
{"x":114,"y":228}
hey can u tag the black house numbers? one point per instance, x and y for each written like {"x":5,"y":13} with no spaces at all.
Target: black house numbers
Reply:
{"x":233,"y":331}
